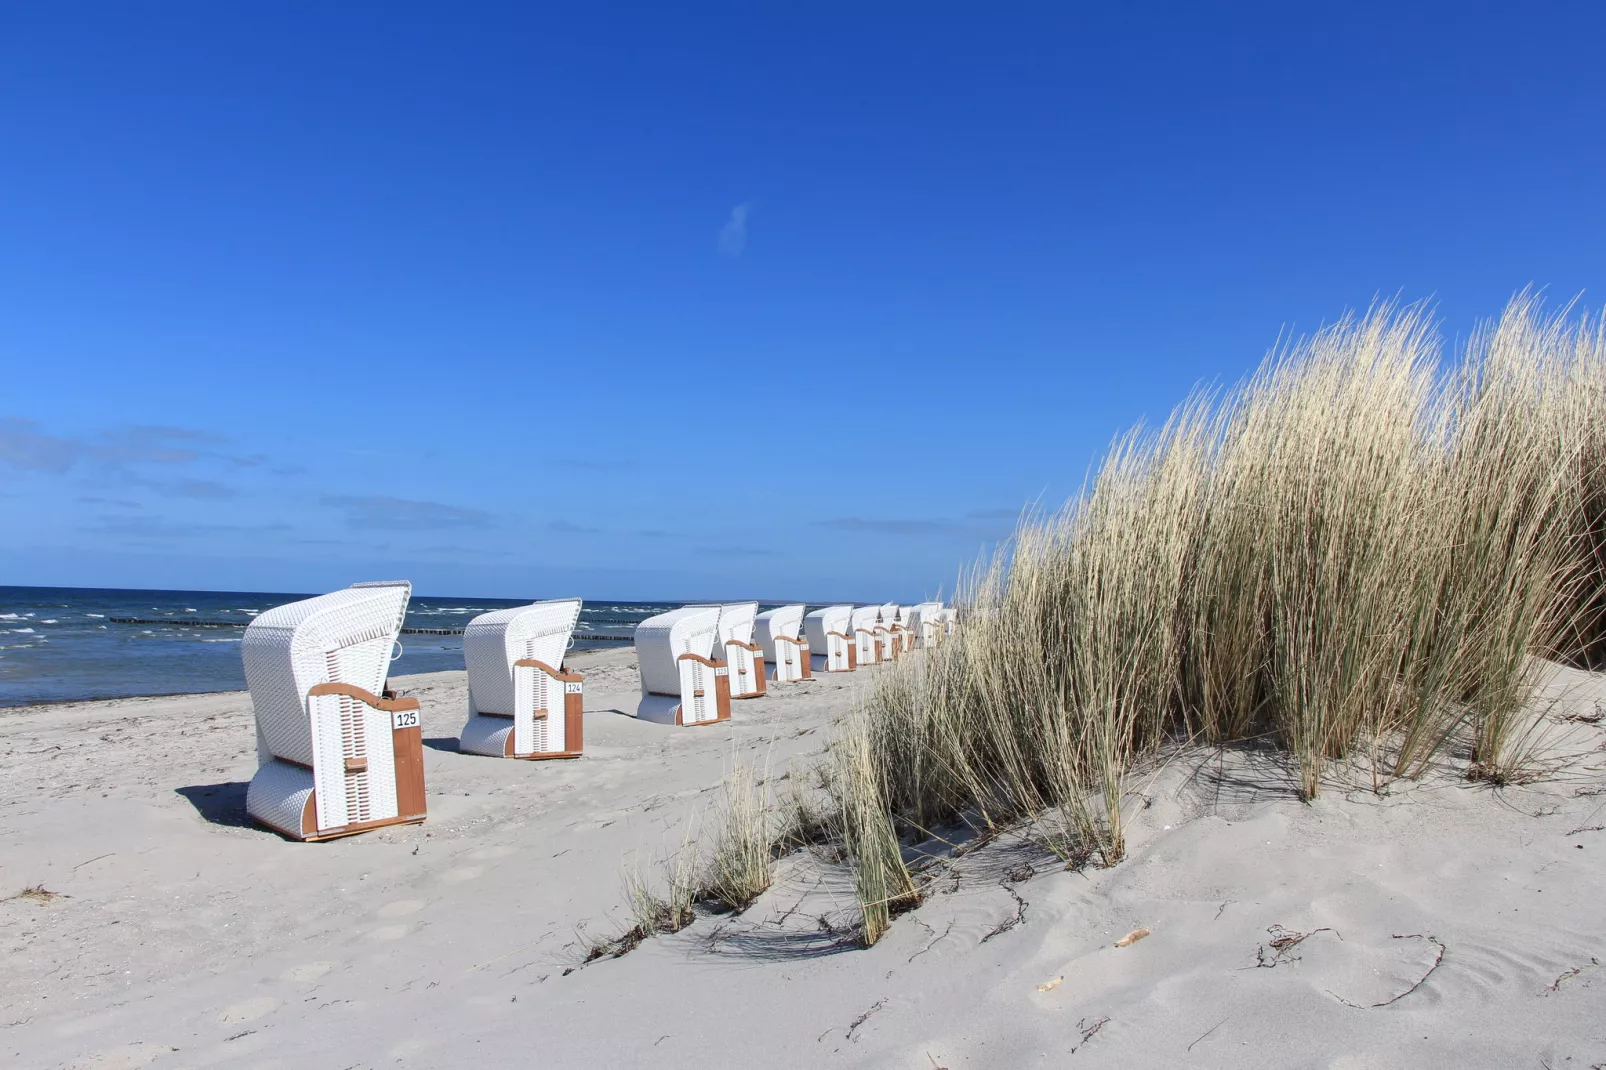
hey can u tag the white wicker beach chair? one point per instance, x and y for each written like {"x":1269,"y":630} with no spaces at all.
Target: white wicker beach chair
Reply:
{"x":924,"y":624}
{"x":865,"y":629}
{"x":828,"y":633}
{"x":950,"y":620}
{"x":521,"y":702}
{"x":776,"y":631}
{"x":744,"y":657}
{"x":680,"y":683}
{"x":888,"y":633}
{"x":335,"y":757}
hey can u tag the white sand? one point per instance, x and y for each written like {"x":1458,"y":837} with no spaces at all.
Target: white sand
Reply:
{"x":185,"y":937}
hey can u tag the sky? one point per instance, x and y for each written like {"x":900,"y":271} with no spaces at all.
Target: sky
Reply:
{"x":711,"y":302}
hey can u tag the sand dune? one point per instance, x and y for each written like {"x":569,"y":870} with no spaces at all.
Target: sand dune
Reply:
{"x":1442,"y":924}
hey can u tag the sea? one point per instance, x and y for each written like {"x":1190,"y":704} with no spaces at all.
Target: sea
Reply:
{"x":70,"y":644}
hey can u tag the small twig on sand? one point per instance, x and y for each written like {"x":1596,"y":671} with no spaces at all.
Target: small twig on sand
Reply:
{"x":1089,"y":1030}
{"x":1282,"y":944}
{"x":1207,"y":1032}
{"x":1588,"y":828}
{"x":1420,"y":981}
{"x":1008,"y":923}
{"x":865,"y":1017}
{"x":1555,"y":985}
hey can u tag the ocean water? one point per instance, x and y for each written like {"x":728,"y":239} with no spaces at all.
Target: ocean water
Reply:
{"x":70,"y":644}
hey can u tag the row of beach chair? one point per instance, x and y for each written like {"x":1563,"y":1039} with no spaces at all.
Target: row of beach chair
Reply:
{"x":339,"y":754}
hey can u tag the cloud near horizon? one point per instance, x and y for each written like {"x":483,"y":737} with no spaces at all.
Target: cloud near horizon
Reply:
{"x":380,"y":512}
{"x":733,"y":235}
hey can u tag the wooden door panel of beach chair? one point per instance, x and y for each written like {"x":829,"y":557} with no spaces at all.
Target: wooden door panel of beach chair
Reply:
{"x":785,"y":655}
{"x":522,"y":702}
{"x":681,"y":684}
{"x":335,"y":757}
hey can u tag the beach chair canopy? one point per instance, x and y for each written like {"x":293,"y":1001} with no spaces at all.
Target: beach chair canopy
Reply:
{"x":662,"y":639}
{"x":346,"y":637}
{"x":783,"y":621}
{"x":864,"y":617}
{"x":492,"y":642}
{"x":827,"y":619}
{"x":736,"y":620}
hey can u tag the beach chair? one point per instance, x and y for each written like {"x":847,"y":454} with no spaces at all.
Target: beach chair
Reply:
{"x":680,"y":683}
{"x":828,"y":634}
{"x":924,"y":624}
{"x":744,"y":657}
{"x":521,"y":702}
{"x":336,"y":756}
{"x":888,"y":633}
{"x":864,"y":626}
{"x":776,"y":631}
{"x":950,"y":621}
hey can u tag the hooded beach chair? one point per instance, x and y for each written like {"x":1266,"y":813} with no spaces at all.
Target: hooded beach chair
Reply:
{"x":950,"y":621}
{"x":828,"y":633}
{"x":735,"y":645}
{"x":680,"y":683}
{"x":335,"y":757}
{"x":864,"y":626}
{"x":888,"y":633}
{"x":776,"y":631}
{"x":923,"y":623}
{"x":521,"y":703}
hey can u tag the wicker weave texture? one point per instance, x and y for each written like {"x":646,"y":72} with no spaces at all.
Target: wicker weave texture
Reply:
{"x":492,"y":642}
{"x":344,"y":637}
{"x":784,"y":620}
{"x":662,"y":639}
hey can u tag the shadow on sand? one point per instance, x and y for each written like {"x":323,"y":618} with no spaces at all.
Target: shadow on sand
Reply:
{"x":220,"y":804}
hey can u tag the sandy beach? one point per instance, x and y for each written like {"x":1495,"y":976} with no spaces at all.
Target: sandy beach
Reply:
{"x":1449,"y":924}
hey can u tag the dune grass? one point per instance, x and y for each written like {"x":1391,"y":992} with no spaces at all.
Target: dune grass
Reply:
{"x":1359,"y":552}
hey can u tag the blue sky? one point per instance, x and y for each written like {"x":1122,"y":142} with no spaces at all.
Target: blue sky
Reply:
{"x":715,"y":303}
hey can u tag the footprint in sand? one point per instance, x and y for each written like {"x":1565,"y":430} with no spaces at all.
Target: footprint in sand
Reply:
{"x":400,"y":908}
{"x":463,"y":873}
{"x":248,"y":1010}
{"x":390,"y":932}
{"x":309,"y":972}
{"x":125,"y":1058}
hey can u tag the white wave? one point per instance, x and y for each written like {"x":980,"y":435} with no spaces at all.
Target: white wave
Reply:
{"x":52,"y":620}
{"x":23,"y":631}
{"x":220,"y":640}
{"x":10,"y":616}
{"x":97,"y":616}
{"x":192,"y":611}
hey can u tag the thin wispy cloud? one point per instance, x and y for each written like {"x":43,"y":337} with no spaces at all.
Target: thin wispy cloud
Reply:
{"x":733,"y":235}
{"x":895,"y":527}
{"x":379,"y":512}
{"x":153,"y":527}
